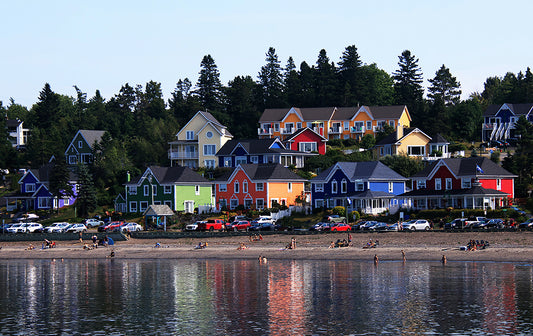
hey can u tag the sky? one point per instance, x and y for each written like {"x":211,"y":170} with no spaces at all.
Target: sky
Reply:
{"x":102,"y":45}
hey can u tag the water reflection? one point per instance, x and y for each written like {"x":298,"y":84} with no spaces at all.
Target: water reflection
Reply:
{"x":243,"y":297}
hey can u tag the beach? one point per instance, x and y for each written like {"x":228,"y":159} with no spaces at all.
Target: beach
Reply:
{"x":427,"y":246}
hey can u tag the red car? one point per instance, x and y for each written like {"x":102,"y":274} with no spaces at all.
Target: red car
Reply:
{"x":241,"y":225}
{"x":341,"y":227}
{"x":112,"y":226}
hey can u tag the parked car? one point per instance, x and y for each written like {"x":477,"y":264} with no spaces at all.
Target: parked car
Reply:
{"x":241,"y":225}
{"x":416,"y":224}
{"x":473,"y":220}
{"x":265,"y":226}
{"x":318,"y":226}
{"x":76,"y":228}
{"x":456,"y":224}
{"x":56,"y":227}
{"x":130,"y":227}
{"x":393,"y":227}
{"x":495,"y":223}
{"x":33,"y":227}
{"x":110,"y":226}
{"x":380,"y":226}
{"x":341,"y":227}
{"x":368,"y":225}
{"x":17,"y":228}
{"x":527,"y":224}
{"x":266,"y":219}
{"x":26,"y":217}
{"x":4,"y":227}
{"x":193,"y":226}
{"x":93,"y":222}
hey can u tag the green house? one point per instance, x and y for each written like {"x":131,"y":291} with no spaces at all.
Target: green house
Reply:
{"x":80,"y":149}
{"x":180,"y":188}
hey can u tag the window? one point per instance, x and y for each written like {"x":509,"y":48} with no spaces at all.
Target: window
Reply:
{"x":133,"y":206}
{"x":289,"y":187}
{"x":416,"y":150}
{"x":319,"y":203}
{"x":391,"y":123}
{"x":146,"y":190}
{"x":344,"y":186}
{"x":360,"y":186}
{"x":227,"y":162}
{"x":143,"y":206}
{"x":157,"y":202}
{"x":381,"y":151}
{"x":276,"y":127}
{"x":154,"y":190}
{"x":334,"y":187}
{"x":43,"y":202}
{"x":259,"y":203}
{"x":248,"y":203}
{"x":209,"y":149}
{"x":259,"y":186}
{"x":233,"y":204}
{"x":289,"y":127}
{"x":466,"y":183}
{"x":30,"y":187}
{"x":222,"y":187}
{"x":346,"y":125}
{"x":245,"y":187}
{"x":72,"y":159}
{"x":80,"y":144}
{"x":209,"y":134}
{"x":498,"y":184}
{"x":167,"y":189}
{"x":132,"y":190}
{"x":222,"y":203}
{"x":421,"y":184}
{"x":438,"y":184}
{"x":391,"y":187}
{"x":209,"y":163}
{"x":240,"y":160}
{"x":236,"y":187}
{"x":197,"y":190}
{"x":86,"y":158}
{"x":307,"y":147}
{"x":169,"y":204}
{"x":254,"y":159}
{"x":66,"y":201}
{"x":298,"y":125}
{"x":274,"y":202}
{"x":448,"y":183}
{"x":319,"y":187}
{"x":190,"y":135}
{"x":369,"y":125}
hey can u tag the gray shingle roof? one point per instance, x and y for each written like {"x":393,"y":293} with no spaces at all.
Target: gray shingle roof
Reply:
{"x":368,"y":170}
{"x":468,"y":167}
{"x":517,"y":109}
{"x":92,"y":136}
{"x":438,"y":138}
{"x":476,"y":190}
{"x":263,"y":172}
{"x":171,"y":175}
{"x":386,"y":112}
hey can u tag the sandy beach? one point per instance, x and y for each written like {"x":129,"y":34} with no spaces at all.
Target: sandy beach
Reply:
{"x":504,"y":247}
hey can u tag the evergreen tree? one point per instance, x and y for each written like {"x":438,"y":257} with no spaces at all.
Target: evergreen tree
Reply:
{"x":408,"y":86}
{"x":350,"y":81}
{"x":209,"y":88}
{"x":153,"y":102}
{"x":271,"y":81}
{"x":241,"y":107}
{"x":46,"y":110}
{"x":325,"y":81}
{"x":292,"y":83}
{"x":444,"y":87}
{"x":86,"y":200}
{"x":59,"y":185}
{"x":378,"y":86}
{"x":183,"y":104}
{"x":307,"y":94}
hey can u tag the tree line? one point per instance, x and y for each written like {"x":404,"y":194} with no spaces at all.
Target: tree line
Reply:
{"x":140,"y":123}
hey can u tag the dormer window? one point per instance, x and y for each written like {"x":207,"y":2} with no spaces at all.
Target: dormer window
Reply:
{"x":190,"y":135}
{"x":80,"y":144}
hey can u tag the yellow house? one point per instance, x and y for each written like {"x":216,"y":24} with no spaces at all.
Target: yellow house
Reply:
{"x":198,"y":142}
{"x":414,"y":143}
{"x":332,"y":122}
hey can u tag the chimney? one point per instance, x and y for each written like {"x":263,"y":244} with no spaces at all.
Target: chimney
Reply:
{"x":399,"y":132}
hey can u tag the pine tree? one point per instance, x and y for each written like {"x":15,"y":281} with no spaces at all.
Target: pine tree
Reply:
{"x":59,"y":185}
{"x":325,"y":81}
{"x":350,"y":81}
{"x":408,"y":80}
{"x":271,"y":81}
{"x":209,"y":88}
{"x":86,"y":199}
{"x":291,"y":83}
{"x":444,"y":87}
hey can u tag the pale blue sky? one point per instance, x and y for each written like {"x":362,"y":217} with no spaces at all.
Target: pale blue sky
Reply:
{"x":105,"y":44}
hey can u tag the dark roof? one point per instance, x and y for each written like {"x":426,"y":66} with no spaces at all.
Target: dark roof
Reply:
{"x":273,"y":114}
{"x":344,"y":113}
{"x":169,"y":175}
{"x":13,"y":123}
{"x":438,"y":138}
{"x":43,"y":173}
{"x":269,"y":171}
{"x":368,"y":170}
{"x":300,"y":131}
{"x":255,"y":146}
{"x":386,"y":112}
{"x":468,"y":167}
{"x":517,"y":109}
{"x":371,"y":194}
{"x":474,"y":191}
{"x":221,"y":128}
{"x":92,"y":136}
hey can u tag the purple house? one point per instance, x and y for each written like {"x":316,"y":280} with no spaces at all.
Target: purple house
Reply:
{"x":34,"y":193}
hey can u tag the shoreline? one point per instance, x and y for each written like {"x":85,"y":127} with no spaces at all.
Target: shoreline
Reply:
{"x":514,"y":247}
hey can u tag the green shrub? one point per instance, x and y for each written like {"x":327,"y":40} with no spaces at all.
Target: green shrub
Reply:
{"x":339,"y":210}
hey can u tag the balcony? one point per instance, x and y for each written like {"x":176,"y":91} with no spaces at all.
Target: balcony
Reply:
{"x":335,"y":130}
{"x":180,"y":155}
{"x":287,"y":130}
{"x":263,"y":131}
{"x":357,"y":129}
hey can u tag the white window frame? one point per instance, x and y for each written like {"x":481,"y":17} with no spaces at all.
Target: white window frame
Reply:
{"x":245,"y":187}
{"x":133,"y":206}
{"x":233,"y":203}
{"x":72,"y":159}
{"x":307,"y":146}
{"x":209,"y":163}
{"x":391,"y":123}
{"x":43,"y":202}
{"x":260,"y":203}
{"x":438,"y":184}
{"x":197,"y":190}
{"x":210,"y":150}
{"x":240,"y":160}
{"x":143,"y":205}
{"x":360,"y":186}
{"x":466,"y":183}
{"x":222,"y":187}
{"x":391,"y":187}
{"x":154,"y":190}
{"x":146,"y":190}
{"x":498,"y":184}
{"x":30,"y":187}
{"x":80,"y":144}
{"x":369,"y":124}
{"x":422,"y":150}
{"x":319,"y":187}
{"x":167,"y":189}
{"x":248,"y":203}
{"x":421,"y":184}
{"x":346,"y":125}
{"x":132,"y":190}
{"x":289,"y":187}
{"x":254,"y":159}
{"x":449,"y":183}
{"x":222,"y":202}
{"x":319,"y":203}
{"x":298,"y":125}
{"x":227,"y":162}
{"x":236,"y":187}
{"x":334,"y":187}
{"x":189,"y":135}
{"x":259,"y":186}
{"x":276,"y":127}
{"x":344,"y":186}
{"x":169,"y":204}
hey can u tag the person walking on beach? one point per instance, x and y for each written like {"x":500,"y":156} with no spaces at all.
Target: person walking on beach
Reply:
{"x":81,"y":237}
{"x":376,"y":259}
{"x":403,"y":256}
{"x":443,"y":260}
{"x":293,"y":243}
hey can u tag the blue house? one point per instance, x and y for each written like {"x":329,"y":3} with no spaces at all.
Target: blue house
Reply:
{"x":34,"y":193}
{"x":258,"y":151}
{"x":368,"y":187}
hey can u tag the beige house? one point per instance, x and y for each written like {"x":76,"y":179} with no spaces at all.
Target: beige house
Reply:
{"x":414,"y":143}
{"x":198,"y":142}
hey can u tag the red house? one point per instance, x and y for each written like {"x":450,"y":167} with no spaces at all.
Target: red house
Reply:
{"x":306,"y":140}
{"x":473,"y":183}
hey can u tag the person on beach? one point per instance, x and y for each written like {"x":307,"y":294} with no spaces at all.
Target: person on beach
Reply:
{"x":349,"y":239}
{"x":403,"y":255}
{"x":112,"y":254}
{"x":332,"y":244}
{"x":81,"y":237}
{"x":242,"y":246}
{"x":293,"y":243}
{"x":30,"y":247}
{"x":262,"y":260}
{"x":376,"y":259}
{"x":94,"y":238}
{"x":443,"y":260}
{"x":157,"y":245}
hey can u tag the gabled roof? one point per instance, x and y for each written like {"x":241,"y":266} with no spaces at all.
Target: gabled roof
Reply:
{"x":263,"y":172}
{"x":158,"y":210}
{"x":368,"y":171}
{"x":91,"y":136}
{"x":309,"y":114}
{"x":170,"y":175}
{"x":209,"y":119}
{"x":388,"y":112}
{"x":439,"y":139}
{"x":517,"y":109}
{"x":475,"y":190}
{"x":251,"y":146}
{"x":13,"y":123}
{"x":462,"y":167}
{"x":392,"y":138}
{"x":344,"y":113}
{"x":302,"y":130}
{"x":42,"y":174}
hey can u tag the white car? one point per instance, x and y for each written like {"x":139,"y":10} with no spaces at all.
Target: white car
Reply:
{"x":193,"y":226}
{"x":131,"y":227}
{"x":32,"y":227}
{"x":17,"y":228}
{"x":56,"y":227}
{"x":266,"y":219}
{"x":76,"y":228}
{"x":416,"y":224}
{"x":93,"y":222}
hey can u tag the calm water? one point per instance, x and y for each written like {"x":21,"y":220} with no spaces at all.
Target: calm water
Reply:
{"x":242,"y":297}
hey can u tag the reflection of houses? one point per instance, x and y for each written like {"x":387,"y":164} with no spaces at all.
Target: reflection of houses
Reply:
{"x":332,"y":122}
{"x":18,"y":135}
{"x":198,"y":142}
{"x":258,"y":186}
{"x":474,"y":182}
{"x":370,"y":187}
{"x":414,"y":143}
{"x":34,"y":190}
{"x":82,"y":146}
{"x":499,"y":120}
{"x":236,"y":152}
{"x":180,"y":188}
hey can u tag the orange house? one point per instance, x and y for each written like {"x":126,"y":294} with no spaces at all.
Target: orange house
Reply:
{"x":258,"y":186}
{"x":332,"y":122}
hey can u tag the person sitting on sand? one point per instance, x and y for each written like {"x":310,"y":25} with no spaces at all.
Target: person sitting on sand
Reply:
{"x":332,"y":245}
{"x":157,"y":245}
{"x":112,"y":254}
{"x":200,"y":246}
{"x":30,"y":247}
{"x":242,"y":246}
{"x":370,"y":244}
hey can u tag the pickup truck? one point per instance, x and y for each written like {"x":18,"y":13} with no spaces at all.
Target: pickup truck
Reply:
{"x":471,"y":221}
{"x":212,"y":225}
